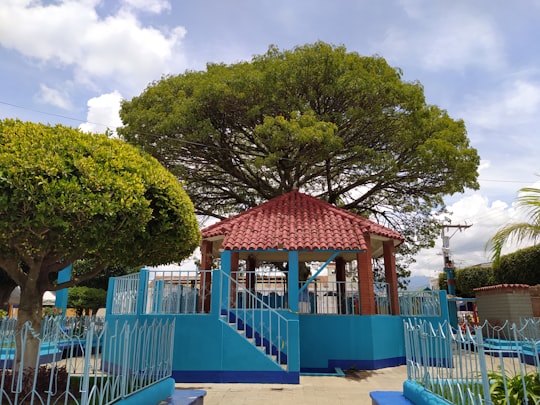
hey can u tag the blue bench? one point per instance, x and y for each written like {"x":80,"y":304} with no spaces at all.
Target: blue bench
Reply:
{"x":388,"y":398}
{"x":186,"y":397}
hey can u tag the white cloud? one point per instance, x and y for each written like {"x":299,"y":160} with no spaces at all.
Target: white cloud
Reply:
{"x":103,"y":113}
{"x":56,"y":97}
{"x":468,"y":246}
{"x":514,"y":103}
{"x":71,"y":33}
{"x":444,"y":36}
{"x":151,"y":6}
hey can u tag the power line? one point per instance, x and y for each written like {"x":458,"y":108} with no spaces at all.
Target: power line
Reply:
{"x":53,"y":114}
{"x":183,"y":140}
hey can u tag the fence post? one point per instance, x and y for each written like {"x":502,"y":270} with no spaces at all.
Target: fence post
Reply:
{"x":483,"y":366}
{"x":87,"y":361}
{"x":110,"y":297}
{"x":142,"y":291}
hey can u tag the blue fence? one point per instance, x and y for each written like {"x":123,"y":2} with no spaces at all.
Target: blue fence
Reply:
{"x":85,"y":361}
{"x":486,"y":364}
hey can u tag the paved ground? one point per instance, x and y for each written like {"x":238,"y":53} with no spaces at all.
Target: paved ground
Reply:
{"x":354,"y":388}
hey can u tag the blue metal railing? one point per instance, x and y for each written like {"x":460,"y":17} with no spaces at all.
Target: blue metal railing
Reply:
{"x":162,"y":292}
{"x":486,"y":364}
{"x":264,"y":326}
{"x":84,"y":361}
{"x":419,"y":303}
{"x":125,"y":294}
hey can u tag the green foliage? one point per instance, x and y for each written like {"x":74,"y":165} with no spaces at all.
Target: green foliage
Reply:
{"x":340,"y":126}
{"x":469,"y":278}
{"x":84,"y":299}
{"x":520,"y":267}
{"x":66,"y":195}
{"x":441,"y":281}
{"x":52,"y":311}
{"x":81,"y":267}
{"x":3,"y":314}
{"x":529,"y":202}
{"x":518,"y":387}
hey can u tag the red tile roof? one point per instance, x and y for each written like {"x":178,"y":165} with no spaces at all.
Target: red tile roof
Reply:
{"x":296,"y":221}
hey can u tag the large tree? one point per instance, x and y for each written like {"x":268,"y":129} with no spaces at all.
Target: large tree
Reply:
{"x":340,"y":126}
{"x":66,"y":195}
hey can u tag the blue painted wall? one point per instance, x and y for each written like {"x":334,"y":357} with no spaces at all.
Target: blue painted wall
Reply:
{"x":362,"y":342}
{"x":208,"y":350}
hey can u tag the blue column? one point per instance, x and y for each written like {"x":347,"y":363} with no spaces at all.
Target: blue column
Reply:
{"x":451,"y":280}
{"x":226,"y":257}
{"x":293,"y":281}
{"x":142,"y":293}
{"x":110,"y":296}
{"x":62,"y":295}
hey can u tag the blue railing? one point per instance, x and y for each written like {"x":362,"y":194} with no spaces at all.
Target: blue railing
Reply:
{"x":161,"y":292}
{"x":84,"y":361}
{"x":487,"y":364}
{"x":419,"y":303}
{"x":259,"y":323}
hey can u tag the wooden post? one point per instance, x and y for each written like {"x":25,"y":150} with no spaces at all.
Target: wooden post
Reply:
{"x":205,"y":281}
{"x":365,"y":279}
{"x":390,"y":275}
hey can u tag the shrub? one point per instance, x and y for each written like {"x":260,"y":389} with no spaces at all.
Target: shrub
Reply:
{"x":520,"y":267}
{"x":517,"y":386}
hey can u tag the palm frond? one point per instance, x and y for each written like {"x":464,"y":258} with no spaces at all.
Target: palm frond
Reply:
{"x":529,"y":201}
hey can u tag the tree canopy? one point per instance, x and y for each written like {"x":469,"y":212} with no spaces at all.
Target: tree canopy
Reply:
{"x":66,"y":195}
{"x":343,"y":127}
{"x":84,"y":299}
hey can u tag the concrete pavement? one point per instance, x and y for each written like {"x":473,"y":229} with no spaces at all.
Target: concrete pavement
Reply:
{"x":354,"y":388}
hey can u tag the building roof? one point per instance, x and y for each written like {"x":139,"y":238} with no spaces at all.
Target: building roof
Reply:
{"x":297,"y":221}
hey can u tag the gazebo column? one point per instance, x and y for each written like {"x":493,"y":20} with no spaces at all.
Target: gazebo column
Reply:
{"x":365,"y":279}
{"x":235,"y":260}
{"x":292,"y":280}
{"x":390,"y":275}
{"x":340,"y":285}
{"x":251,"y":279}
{"x":205,"y":280}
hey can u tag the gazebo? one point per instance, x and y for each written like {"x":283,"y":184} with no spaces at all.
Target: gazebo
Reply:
{"x":296,"y":228}
{"x":284,"y":288}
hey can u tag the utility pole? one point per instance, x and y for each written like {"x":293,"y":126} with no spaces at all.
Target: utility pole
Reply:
{"x":449,"y":266}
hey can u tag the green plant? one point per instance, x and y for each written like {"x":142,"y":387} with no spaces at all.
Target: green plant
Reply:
{"x":52,"y":311}
{"x":3,"y":314}
{"x":517,"y":387}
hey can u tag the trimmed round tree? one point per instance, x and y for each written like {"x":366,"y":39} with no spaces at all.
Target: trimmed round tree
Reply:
{"x":67,"y":195}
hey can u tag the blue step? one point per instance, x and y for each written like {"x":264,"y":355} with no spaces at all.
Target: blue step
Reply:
{"x":389,"y":398}
{"x":185,"y":397}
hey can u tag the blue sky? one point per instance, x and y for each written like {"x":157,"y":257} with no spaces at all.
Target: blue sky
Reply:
{"x":72,"y":62}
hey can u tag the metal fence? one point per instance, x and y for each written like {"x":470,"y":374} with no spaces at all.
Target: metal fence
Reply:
{"x":83,"y":360}
{"x":162,"y":292}
{"x":419,"y":303}
{"x":486,"y":364}
{"x":189,"y":292}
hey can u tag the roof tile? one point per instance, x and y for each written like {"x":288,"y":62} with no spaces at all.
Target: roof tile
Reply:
{"x":296,"y":221}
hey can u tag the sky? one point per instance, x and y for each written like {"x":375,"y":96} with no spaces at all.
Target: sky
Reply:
{"x":72,"y":62}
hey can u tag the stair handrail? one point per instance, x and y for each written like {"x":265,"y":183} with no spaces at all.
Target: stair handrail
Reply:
{"x":279,"y":343}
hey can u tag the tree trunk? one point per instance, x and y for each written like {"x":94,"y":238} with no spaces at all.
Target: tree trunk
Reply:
{"x":30,"y":310}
